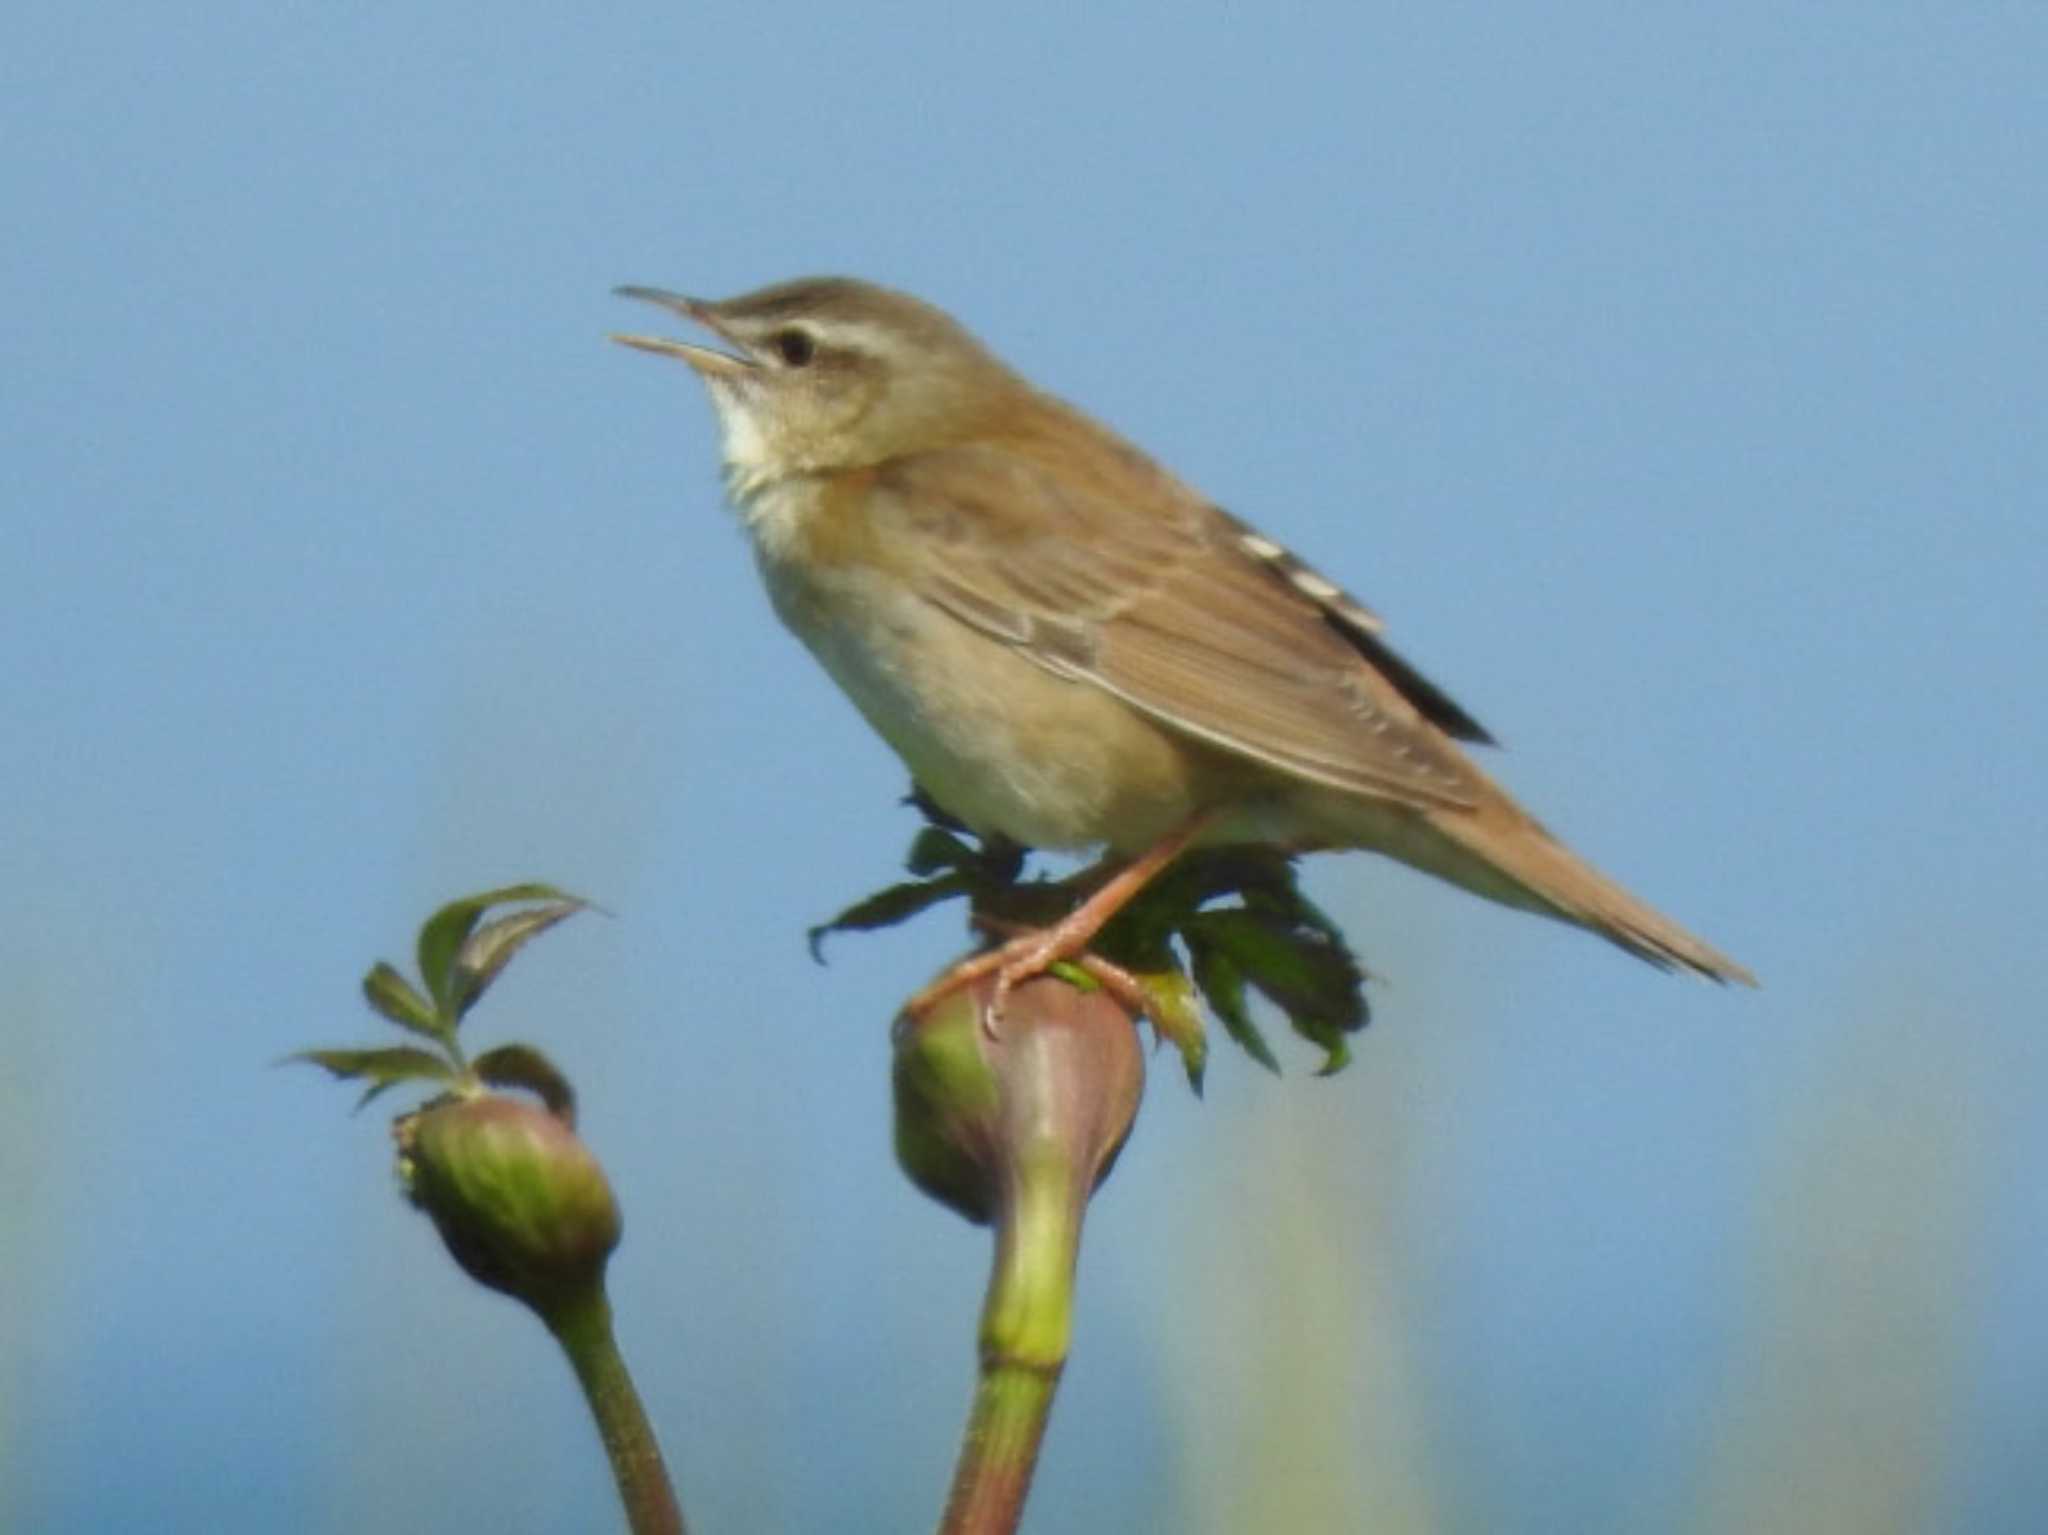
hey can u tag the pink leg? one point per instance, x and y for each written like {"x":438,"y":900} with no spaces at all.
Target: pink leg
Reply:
{"x":1028,"y":955}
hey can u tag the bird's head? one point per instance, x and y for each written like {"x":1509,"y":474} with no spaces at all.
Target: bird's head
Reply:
{"x":826,"y":373}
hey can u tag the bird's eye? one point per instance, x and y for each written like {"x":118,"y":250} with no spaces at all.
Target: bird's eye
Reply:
{"x":795,"y":347}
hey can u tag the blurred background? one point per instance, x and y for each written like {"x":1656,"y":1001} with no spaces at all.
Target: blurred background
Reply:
{"x":1674,"y":380}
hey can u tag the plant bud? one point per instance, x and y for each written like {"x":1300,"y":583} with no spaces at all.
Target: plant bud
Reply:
{"x":520,"y":1202}
{"x":1054,"y":1091}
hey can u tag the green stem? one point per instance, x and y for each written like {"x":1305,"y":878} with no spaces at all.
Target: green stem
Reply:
{"x":1011,"y":1405}
{"x":582,"y":1324}
{"x":1025,"y":1326}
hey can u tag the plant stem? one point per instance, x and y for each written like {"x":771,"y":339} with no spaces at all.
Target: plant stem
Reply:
{"x":1011,"y":1405}
{"x":1025,"y":1326}
{"x":582,"y":1324}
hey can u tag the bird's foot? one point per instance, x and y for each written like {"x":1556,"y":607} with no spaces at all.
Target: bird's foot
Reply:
{"x":1036,"y":950}
{"x":1032,"y":952}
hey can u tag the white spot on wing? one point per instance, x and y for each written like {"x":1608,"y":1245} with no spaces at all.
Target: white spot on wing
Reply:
{"x":1261,"y":547}
{"x":1315,"y":585}
{"x":1310,"y":583}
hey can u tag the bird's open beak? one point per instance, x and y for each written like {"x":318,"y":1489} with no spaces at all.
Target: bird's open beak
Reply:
{"x":708,"y":361}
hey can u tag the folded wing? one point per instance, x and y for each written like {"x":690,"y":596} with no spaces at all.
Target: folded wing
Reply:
{"x":1108,"y":571}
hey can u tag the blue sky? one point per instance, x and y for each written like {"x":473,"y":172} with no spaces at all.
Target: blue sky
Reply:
{"x":1674,"y":380}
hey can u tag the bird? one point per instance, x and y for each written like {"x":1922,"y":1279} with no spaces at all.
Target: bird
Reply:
{"x":1072,"y":649}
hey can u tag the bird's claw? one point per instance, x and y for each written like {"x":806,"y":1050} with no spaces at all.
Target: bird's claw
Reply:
{"x":1022,"y":958}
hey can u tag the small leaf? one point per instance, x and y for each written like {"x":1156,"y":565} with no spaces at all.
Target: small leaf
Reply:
{"x":488,"y":950}
{"x":383,"y":1068}
{"x":524,"y":1066}
{"x":1222,"y":985}
{"x":1310,"y":976}
{"x":1211,"y":873}
{"x":935,"y":848}
{"x":1066,"y":970}
{"x":1140,"y":937}
{"x":371,"y":1093}
{"x":886,"y":908}
{"x":930,"y":809}
{"x":394,"y":997}
{"x":1305,"y":913}
{"x":442,"y":935}
{"x":1176,"y":1015}
{"x":397,"y":1063}
{"x":1172,"y":901}
{"x":1338,"y":1055}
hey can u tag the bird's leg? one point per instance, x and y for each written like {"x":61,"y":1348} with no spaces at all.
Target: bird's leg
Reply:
{"x":1030,"y":953}
{"x":1113,"y":978}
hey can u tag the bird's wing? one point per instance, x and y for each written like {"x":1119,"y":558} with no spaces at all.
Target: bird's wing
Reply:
{"x":1107,"y":570}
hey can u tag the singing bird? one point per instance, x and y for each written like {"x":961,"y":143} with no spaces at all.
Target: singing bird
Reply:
{"x":1070,"y":648}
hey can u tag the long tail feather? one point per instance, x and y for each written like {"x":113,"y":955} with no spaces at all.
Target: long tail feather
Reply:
{"x":1552,"y":878}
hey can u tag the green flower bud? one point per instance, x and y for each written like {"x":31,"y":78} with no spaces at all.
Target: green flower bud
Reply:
{"x":520,"y":1202}
{"x":1052,"y":1093}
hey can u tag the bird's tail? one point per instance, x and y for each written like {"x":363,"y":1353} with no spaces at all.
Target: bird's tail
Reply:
{"x":1522,"y":864}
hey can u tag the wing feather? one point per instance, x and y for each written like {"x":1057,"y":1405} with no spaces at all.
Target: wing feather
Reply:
{"x":1111,"y":572}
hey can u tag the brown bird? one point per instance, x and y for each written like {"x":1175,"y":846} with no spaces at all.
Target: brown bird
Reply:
{"x":1069,"y":647}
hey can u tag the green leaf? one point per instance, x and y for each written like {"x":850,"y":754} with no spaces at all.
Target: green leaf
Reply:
{"x":886,"y":908}
{"x":1305,"y":913}
{"x":1337,"y":1054}
{"x":1212,"y":873}
{"x":1076,"y":977}
{"x":929,"y":808}
{"x":935,"y":848}
{"x":1309,"y":975}
{"x":1314,"y":979}
{"x":395,"y":998}
{"x":487,"y":951}
{"x":1000,"y":858}
{"x":1176,"y":1015}
{"x":524,"y":1066}
{"x":1222,"y":985}
{"x":442,"y":936}
{"x":383,"y":1068}
{"x":1166,"y":906}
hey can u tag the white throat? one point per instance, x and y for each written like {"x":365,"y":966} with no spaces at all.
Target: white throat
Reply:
{"x":743,"y":444}
{"x":772,"y":500}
